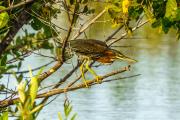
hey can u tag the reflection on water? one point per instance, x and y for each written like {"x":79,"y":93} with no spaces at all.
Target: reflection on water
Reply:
{"x":152,"y":96}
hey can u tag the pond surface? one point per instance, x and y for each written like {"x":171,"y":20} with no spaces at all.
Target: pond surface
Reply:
{"x":154,"y":95}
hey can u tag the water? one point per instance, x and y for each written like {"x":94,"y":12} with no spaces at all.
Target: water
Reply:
{"x":152,"y":96}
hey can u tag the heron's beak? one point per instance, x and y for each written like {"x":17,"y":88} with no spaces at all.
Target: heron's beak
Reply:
{"x":124,"y":58}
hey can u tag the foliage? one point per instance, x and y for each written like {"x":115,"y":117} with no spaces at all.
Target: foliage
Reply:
{"x":4,"y":116}
{"x":163,"y":14}
{"x":26,"y":105}
{"x":4,"y":18}
{"x":67,"y":112}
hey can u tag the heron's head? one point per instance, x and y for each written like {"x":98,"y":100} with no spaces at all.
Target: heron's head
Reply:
{"x":118,"y":55}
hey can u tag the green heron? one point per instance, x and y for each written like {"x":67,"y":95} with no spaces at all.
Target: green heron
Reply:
{"x":96,"y":50}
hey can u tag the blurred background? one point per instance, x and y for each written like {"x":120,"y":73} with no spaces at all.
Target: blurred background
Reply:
{"x":151,"y":96}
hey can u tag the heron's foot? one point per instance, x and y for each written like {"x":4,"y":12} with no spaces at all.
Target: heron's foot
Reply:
{"x":98,"y":79}
{"x":86,"y":83}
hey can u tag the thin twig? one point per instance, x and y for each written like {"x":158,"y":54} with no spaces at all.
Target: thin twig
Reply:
{"x":67,"y":9}
{"x":17,"y":5}
{"x":44,"y":55}
{"x":124,"y":34}
{"x":85,"y":26}
{"x":113,"y":34}
{"x":68,"y":35}
{"x":26,"y":71}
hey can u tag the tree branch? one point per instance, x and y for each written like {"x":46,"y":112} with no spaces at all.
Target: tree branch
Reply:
{"x":17,"y":5}
{"x":52,"y":92}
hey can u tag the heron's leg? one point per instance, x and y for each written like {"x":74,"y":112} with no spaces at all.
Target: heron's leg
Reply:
{"x":82,"y":72}
{"x":98,"y":78}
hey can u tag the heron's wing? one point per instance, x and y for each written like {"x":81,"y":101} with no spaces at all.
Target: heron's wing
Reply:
{"x":88,"y":47}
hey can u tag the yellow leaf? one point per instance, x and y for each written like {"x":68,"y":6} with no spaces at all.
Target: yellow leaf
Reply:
{"x":33,"y":89}
{"x":21,"y":91}
{"x":125,"y":6}
{"x":171,"y":7}
{"x":37,"y":108}
{"x":33,"y":86}
{"x":60,"y":116}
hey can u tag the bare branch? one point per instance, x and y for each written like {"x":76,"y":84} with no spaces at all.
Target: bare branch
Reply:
{"x":50,"y":71}
{"x":26,"y":71}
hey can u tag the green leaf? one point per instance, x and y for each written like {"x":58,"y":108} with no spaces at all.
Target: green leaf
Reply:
{"x":68,"y":110}
{"x":39,"y":72}
{"x":177,"y":15}
{"x":2,"y":87}
{"x":4,"y":18}
{"x":74,"y":116}
{"x":166,"y":24}
{"x":157,"y":23}
{"x":36,"y":6}
{"x":159,"y":7}
{"x":171,"y":7}
{"x":72,"y":2}
{"x":19,"y":65}
{"x":3,"y":31}
{"x":19,"y":78}
{"x":85,"y":9}
{"x":27,"y":106}
{"x":4,"y":116}
{"x":20,"y":107}
{"x":114,"y":11}
{"x":3,"y":60}
{"x":135,"y":12}
{"x":36,"y":24}
{"x":84,"y":1}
